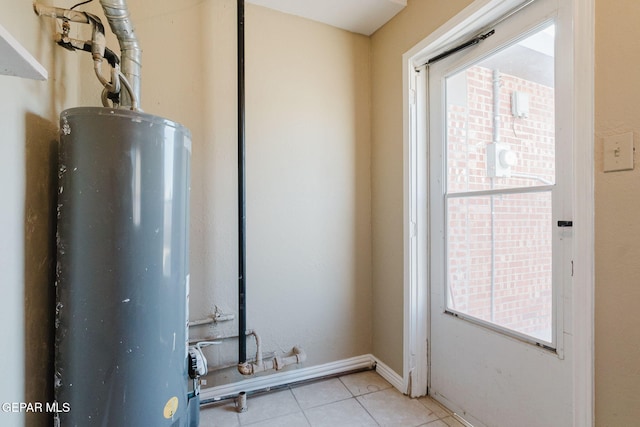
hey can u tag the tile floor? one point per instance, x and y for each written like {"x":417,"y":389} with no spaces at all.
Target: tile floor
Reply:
{"x":362,"y":399}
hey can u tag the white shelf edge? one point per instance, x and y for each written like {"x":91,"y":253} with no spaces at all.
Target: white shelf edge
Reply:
{"x":15,"y":60}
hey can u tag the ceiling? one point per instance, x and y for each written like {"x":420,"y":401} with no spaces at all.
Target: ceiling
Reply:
{"x":358,"y":16}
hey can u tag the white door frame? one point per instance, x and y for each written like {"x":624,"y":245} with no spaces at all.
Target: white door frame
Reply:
{"x":415,"y":217}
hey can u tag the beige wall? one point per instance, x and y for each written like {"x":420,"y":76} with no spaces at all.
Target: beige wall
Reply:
{"x":308,"y":170}
{"x":308,"y":100}
{"x":419,"y":19}
{"x":29,"y":111}
{"x":309,"y":182}
{"x":617,"y":208}
{"x":308,"y":177}
{"x":617,"y":212}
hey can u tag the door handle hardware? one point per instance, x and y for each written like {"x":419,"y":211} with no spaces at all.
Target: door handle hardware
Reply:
{"x":565,"y":223}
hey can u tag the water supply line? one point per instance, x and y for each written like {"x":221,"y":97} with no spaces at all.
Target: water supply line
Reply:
{"x":193,"y":342}
{"x":277,"y":363}
{"x":217,"y":317}
{"x":117,"y":14}
{"x":251,"y":366}
{"x":57,"y":12}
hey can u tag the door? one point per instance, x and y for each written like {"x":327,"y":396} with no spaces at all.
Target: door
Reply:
{"x":500,"y":218}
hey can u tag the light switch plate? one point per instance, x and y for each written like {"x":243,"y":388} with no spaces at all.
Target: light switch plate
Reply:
{"x":618,"y":152}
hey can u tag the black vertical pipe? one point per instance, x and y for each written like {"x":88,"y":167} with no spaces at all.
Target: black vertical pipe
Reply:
{"x":242,"y":314}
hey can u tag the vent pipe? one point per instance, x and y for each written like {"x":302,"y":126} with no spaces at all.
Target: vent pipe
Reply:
{"x":117,"y":14}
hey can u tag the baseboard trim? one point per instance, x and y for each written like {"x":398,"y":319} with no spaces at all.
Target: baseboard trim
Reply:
{"x":295,"y":375}
{"x":390,"y":375}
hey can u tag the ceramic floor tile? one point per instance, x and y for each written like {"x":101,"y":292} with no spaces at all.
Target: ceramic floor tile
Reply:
{"x":221,"y":415}
{"x":434,"y":407}
{"x":292,"y":420}
{"x":346,"y":413}
{"x":267,"y":406}
{"x":391,"y":408}
{"x":330,"y":403}
{"x":321,"y":393}
{"x":452,"y":422}
{"x":437,"y":423}
{"x":364,"y":382}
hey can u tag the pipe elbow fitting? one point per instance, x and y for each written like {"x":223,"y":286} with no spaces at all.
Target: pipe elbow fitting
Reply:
{"x":245,"y":368}
{"x":279,"y":363}
{"x":300,"y":354}
{"x":38,"y":8}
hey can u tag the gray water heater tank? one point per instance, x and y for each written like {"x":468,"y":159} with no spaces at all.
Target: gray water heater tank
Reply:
{"x":122,"y":270}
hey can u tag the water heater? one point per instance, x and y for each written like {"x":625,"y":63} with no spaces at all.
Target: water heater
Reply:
{"x":122,"y":271}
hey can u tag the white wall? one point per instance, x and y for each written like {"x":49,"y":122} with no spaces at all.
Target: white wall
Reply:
{"x":29,"y":112}
{"x":308,"y":174}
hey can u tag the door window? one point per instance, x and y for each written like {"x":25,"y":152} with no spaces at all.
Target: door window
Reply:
{"x":500,"y":174}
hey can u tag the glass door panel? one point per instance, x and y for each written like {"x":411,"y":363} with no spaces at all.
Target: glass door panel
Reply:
{"x":499,"y":261}
{"x":500,"y":174}
{"x":501,"y":118}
